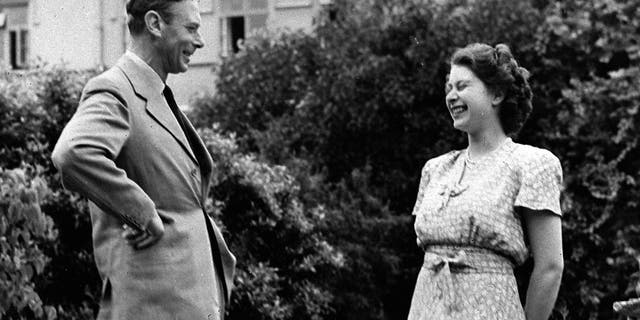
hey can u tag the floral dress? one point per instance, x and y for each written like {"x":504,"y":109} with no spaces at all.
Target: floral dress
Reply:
{"x":470,"y":230}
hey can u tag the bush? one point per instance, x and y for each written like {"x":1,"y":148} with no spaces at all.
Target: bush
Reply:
{"x":23,"y":228}
{"x":283,"y":258}
{"x":588,"y":116}
{"x":599,"y":132}
{"x":314,"y":192}
{"x":36,"y":105}
{"x":355,"y":109}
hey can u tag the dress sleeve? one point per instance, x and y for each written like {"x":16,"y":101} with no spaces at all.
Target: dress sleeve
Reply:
{"x":541,"y":182}
{"x":424,"y":180}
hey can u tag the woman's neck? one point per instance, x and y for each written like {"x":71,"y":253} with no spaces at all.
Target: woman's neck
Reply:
{"x":484,"y":142}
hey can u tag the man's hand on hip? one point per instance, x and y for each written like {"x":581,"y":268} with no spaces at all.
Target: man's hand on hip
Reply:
{"x":144,"y":239}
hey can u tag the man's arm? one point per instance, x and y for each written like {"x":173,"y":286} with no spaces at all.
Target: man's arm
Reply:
{"x":85,"y":156}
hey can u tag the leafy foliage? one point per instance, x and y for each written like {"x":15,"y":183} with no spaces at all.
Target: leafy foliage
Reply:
{"x":35,"y":106}
{"x":318,"y":149}
{"x":282,"y":256}
{"x":600,"y":130}
{"x":23,"y":226}
{"x":355,"y":108}
{"x":590,"y":53}
{"x":258,"y":204}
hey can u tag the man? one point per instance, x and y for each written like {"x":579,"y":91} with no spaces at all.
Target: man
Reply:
{"x":146,"y":173}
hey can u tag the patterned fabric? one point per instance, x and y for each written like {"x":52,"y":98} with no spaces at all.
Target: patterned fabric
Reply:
{"x":471,"y":233}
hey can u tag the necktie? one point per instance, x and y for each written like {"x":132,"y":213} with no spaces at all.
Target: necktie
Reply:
{"x":168,"y":95}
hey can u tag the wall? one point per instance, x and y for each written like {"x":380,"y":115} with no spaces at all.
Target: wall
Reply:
{"x":292,"y":14}
{"x":66,"y":32}
{"x":87,"y":33}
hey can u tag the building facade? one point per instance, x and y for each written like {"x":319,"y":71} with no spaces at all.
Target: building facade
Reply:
{"x":82,"y":34}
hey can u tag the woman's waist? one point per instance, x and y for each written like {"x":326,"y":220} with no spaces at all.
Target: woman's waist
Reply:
{"x":466,"y":259}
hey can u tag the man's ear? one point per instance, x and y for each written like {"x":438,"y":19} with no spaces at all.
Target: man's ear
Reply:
{"x":153,"y":22}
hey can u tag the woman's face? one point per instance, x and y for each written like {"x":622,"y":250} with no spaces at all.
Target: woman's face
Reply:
{"x":471,"y":105}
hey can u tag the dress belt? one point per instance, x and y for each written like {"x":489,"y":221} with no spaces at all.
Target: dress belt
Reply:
{"x":444,"y":260}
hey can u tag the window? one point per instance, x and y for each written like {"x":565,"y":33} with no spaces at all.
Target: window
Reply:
{"x":328,"y":10}
{"x":18,"y":48}
{"x":236,"y":32}
{"x":238,"y":19}
{"x":293,"y":3}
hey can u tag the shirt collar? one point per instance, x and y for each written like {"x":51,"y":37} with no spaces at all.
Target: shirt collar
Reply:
{"x":156,"y":82}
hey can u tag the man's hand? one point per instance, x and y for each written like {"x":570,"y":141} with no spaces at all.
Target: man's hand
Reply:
{"x":144,"y":239}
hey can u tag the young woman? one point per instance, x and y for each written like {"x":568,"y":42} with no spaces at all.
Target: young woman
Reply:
{"x":483,"y":210}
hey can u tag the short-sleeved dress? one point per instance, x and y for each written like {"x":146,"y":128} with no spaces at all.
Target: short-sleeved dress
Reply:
{"x":470,"y":230}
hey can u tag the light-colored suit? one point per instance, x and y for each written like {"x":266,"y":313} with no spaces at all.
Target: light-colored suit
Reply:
{"x":125,"y":151}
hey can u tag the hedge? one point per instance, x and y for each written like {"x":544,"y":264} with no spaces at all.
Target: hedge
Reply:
{"x":360,"y":101}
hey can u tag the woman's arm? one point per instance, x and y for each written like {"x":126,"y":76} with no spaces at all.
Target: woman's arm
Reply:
{"x":545,"y":237}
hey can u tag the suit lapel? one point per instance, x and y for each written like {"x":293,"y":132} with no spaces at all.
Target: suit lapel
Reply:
{"x":160,"y":111}
{"x":146,"y":84}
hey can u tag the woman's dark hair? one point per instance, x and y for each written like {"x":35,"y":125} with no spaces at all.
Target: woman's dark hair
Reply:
{"x":136,"y":9}
{"x":500,"y":72}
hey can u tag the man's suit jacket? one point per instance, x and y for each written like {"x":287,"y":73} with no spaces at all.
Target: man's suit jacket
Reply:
{"x":125,"y":151}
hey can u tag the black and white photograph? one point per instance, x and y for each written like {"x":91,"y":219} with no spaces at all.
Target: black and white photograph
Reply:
{"x":319,"y":159}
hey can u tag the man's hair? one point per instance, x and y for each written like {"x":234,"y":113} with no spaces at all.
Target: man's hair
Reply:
{"x":136,"y":9}
{"x":500,"y":72}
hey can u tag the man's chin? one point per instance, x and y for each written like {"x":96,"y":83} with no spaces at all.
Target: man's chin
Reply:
{"x":184,"y":66}
{"x":181,"y":69}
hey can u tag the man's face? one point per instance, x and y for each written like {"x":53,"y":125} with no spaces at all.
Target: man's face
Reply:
{"x":180,"y":36}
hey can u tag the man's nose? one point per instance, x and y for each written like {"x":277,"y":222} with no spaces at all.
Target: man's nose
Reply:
{"x":199,"y":41}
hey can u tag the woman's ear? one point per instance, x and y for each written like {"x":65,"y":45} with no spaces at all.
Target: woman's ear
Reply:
{"x":497,"y":99}
{"x":153,"y":22}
